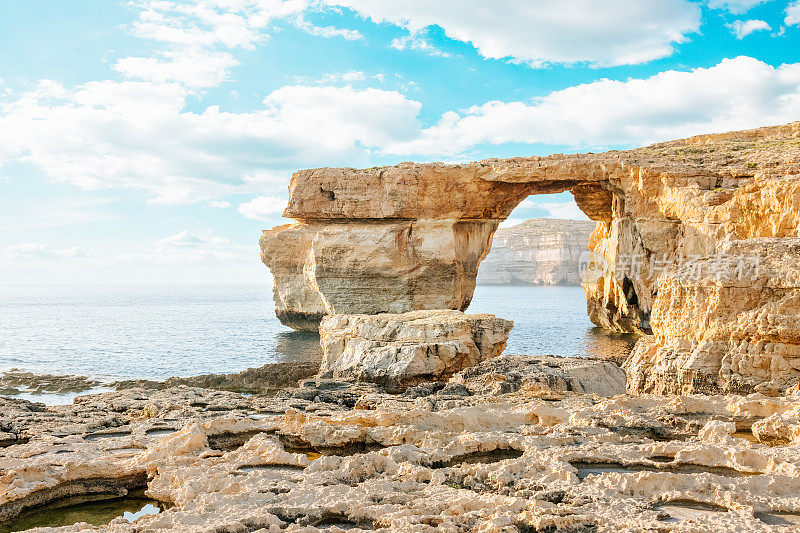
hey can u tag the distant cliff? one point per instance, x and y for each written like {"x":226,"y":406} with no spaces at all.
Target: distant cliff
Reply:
{"x":539,"y":251}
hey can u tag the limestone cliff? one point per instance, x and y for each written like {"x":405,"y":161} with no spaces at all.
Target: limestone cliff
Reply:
{"x":539,"y":251}
{"x":656,"y":208}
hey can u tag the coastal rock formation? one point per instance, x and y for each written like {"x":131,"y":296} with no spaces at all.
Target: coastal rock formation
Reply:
{"x":539,"y":251}
{"x":548,"y":374}
{"x":725,"y":322}
{"x":371,"y":267}
{"x":402,"y":349}
{"x":446,"y":457}
{"x":656,"y":208}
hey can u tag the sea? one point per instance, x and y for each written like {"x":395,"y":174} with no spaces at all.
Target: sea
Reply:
{"x":158,"y":331}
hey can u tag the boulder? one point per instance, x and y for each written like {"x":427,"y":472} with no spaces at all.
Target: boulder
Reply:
{"x":398,"y":350}
{"x":543,"y":374}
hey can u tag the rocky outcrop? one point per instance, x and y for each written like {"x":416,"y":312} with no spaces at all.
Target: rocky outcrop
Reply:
{"x":539,"y":251}
{"x":448,"y":457}
{"x":370,"y":267}
{"x":546,"y":374}
{"x":726,"y":322}
{"x":398,"y":350}
{"x":656,"y":208}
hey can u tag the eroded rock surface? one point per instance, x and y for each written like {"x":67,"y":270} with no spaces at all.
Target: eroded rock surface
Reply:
{"x":446,"y":457}
{"x":403,"y":349}
{"x":539,"y":251}
{"x":370,"y":267}
{"x":656,"y":208}
{"x":727,"y":322}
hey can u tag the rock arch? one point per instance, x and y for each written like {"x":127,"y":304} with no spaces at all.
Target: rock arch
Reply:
{"x":411,"y":236}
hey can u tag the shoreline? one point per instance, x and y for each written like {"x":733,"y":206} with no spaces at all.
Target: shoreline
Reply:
{"x":512,"y":440}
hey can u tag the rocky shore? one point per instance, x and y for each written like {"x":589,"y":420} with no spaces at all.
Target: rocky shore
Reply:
{"x":515,"y":443}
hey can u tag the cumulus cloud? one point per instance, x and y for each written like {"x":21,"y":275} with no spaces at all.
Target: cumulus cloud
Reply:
{"x":327,"y":31}
{"x":735,"y":94}
{"x":613,"y":32}
{"x":137,"y":135}
{"x":197,"y":36}
{"x":736,"y":7}
{"x":743,"y":28}
{"x":263,"y":207}
{"x":793,"y":13}
{"x":192,"y":68}
{"x":417,"y":41}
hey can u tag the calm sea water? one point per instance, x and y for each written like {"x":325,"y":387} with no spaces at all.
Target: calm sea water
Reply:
{"x":181,"y":330}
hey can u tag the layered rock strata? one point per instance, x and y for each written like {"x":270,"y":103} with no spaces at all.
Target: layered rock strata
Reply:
{"x":727,"y":322}
{"x":539,"y":251}
{"x":373,"y":266}
{"x":656,"y":208}
{"x":403,"y":349}
{"x":445,"y":457}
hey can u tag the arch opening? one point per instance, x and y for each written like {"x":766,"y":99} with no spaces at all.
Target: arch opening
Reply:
{"x":532,"y":275}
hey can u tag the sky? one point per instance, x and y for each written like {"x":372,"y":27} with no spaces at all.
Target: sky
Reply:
{"x":151,"y":141}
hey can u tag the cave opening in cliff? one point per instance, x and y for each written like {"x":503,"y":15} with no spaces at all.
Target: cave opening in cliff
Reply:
{"x":532,"y":275}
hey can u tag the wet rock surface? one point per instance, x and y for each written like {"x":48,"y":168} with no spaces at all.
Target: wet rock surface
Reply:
{"x":460,"y":455}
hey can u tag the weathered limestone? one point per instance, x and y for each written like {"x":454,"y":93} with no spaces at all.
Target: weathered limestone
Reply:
{"x":655,"y":208}
{"x":403,"y":349}
{"x":447,"y":458}
{"x":727,"y":322}
{"x":539,"y":251}
{"x":373,"y":267}
{"x":548,"y":374}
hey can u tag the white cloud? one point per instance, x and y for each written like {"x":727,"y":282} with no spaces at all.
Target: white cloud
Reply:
{"x":736,"y":7}
{"x":192,"y":68}
{"x":563,"y":210}
{"x":735,"y":94}
{"x":196,"y":36}
{"x":109,"y":134}
{"x":345,"y":77}
{"x":613,"y":32}
{"x":37,"y":250}
{"x":327,"y":31}
{"x":218,"y":204}
{"x":793,"y":13}
{"x":184,"y":239}
{"x":263,"y":207}
{"x":417,"y":41}
{"x":743,"y":28}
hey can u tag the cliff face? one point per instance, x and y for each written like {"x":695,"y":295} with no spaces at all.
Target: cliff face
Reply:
{"x":539,"y":251}
{"x":657,"y":208}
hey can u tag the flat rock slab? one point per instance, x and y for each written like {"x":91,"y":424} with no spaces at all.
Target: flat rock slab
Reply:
{"x":404,"y":349}
{"x":547,"y":373}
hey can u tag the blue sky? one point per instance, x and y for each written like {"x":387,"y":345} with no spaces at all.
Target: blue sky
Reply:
{"x":153,"y":140}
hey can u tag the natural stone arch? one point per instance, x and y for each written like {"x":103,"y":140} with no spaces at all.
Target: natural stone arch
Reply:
{"x":411,"y":236}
